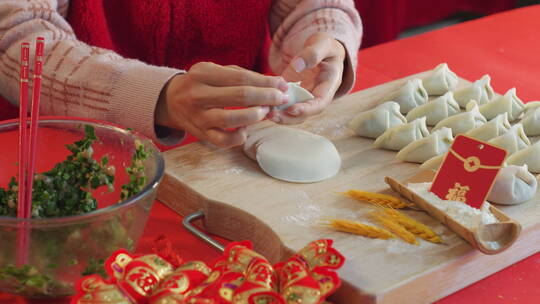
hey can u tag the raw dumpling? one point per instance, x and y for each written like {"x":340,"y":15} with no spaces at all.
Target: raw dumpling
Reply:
{"x":433,"y":163}
{"x":480,"y":90}
{"x":374,"y":122}
{"x":430,"y":146}
{"x":508,"y":103}
{"x":529,"y":156}
{"x":531,"y":105}
{"x":399,"y":136}
{"x":493,"y":128}
{"x":513,"y":140}
{"x":409,"y":96}
{"x":463,"y":122}
{"x":296,"y":94}
{"x":293,"y":155}
{"x":531,"y":119}
{"x":513,"y":185}
{"x":435,"y":110}
{"x":440,"y":81}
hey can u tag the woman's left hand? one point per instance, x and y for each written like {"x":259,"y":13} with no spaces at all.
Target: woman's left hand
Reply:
{"x":319,"y":66}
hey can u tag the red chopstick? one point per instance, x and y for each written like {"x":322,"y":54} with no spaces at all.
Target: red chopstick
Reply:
{"x":22,"y":232}
{"x":27,"y":145}
{"x":23,"y":134}
{"x":34,"y":120}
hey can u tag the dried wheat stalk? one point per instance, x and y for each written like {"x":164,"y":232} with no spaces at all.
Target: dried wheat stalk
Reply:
{"x":384,"y":200}
{"x":360,"y":229}
{"x":415,"y":227}
{"x":393,"y":226}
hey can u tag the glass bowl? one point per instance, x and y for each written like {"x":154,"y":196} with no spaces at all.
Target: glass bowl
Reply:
{"x":63,"y":249}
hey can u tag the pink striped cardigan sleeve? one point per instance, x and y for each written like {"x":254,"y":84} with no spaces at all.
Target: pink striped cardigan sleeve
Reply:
{"x":292,"y":22}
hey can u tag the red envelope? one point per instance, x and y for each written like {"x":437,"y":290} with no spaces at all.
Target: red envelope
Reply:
{"x":468,"y":171}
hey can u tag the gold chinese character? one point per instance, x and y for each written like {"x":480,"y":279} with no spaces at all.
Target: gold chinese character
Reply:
{"x":457,"y":193}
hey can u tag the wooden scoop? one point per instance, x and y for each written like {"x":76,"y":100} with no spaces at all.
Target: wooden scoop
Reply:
{"x":489,"y":239}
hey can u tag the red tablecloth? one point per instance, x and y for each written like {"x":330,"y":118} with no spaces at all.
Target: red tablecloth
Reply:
{"x":507,"y":47}
{"x":384,"y":20}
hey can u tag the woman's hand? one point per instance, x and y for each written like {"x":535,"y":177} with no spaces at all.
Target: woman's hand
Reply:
{"x":319,"y":66}
{"x":197,"y":102}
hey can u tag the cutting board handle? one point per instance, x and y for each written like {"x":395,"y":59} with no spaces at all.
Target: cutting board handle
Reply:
{"x":187,"y":222}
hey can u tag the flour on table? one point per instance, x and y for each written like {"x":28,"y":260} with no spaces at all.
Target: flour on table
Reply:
{"x":234,"y":171}
{"x":305,"y":213}
{"x":462,"y":213}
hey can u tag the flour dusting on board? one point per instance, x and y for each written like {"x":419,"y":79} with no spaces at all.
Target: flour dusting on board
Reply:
{"x":234,"y":171}
{"x":306,"y":212}
{"x":330,"y":131}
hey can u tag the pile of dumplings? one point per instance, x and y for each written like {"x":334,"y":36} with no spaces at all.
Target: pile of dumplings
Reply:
{"x":400,"y":121}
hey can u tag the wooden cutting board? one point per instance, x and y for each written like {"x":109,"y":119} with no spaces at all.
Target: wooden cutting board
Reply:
{"x":241,"y":202}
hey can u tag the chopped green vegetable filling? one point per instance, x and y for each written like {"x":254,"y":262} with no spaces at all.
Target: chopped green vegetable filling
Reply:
{"x":137,"y":178}
{"x":95,"y":266}
{"x":26,"y":277}
{"x":65,"y":190}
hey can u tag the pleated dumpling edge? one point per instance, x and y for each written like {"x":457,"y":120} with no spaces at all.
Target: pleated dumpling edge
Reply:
{"x":430,"y":146}
{"x":440,"y":80}
{"x":399,"y":136}
{"x":409,"y":96}
{"x":436,"y":110}
{"x":372,"y":123}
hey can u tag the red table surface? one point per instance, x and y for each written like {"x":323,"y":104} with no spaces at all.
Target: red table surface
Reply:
{"x":506,"y":46}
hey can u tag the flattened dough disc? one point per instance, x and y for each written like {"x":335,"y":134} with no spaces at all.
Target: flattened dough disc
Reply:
{"x":293,"y":155}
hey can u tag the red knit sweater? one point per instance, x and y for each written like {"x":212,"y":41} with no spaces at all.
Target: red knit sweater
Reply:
{"x":177,"y":33}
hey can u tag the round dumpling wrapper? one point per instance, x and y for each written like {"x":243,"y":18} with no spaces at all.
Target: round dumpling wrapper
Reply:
{"x":294,"y":155}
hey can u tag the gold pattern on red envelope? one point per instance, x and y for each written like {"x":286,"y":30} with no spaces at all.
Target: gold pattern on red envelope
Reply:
{"x":468,"y":171}
{"x":458,"y":193}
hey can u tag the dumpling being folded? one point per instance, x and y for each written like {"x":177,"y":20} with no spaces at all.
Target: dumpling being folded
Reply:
{"x":374,"y":122}
{"x":529,"y":156}
{"x":435,"y":110}
{"x":440,"y":81}
{"x":463,"y":122}
{"x":430,"y":146}
{"x":296,"y":94}
{"x":513,"y":140}
{"x":480,"y":90}
{"x":409,"y":96}
{"x":433,"y":163}
{"x":508,"y":103}
{"x":531,"y":119}
{"x":513,"y":185}
{"x":493,"y":128}
{"x":399,"y":136}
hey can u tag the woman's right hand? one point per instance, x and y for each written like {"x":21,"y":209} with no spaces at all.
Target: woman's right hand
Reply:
{"x":197,"y":102}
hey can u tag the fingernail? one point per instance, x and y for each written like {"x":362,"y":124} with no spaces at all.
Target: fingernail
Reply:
{"x":285,"y":99}
{"x":299,"y":64}
{"x":276,"y":119}
{"x":265,"y":110}
{"x":283,"y":86}
{"x":294,"y":112}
